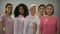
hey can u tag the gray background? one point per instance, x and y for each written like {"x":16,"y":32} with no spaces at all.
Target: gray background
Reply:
{"x":56,"y":4}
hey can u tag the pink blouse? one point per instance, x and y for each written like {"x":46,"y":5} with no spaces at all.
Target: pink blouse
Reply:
{"x":48,"y":25}
{"x":8,"y":20}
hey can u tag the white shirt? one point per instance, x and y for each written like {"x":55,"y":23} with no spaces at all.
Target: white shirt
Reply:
{"x":19,"y":24}
{"x":28,"y":24}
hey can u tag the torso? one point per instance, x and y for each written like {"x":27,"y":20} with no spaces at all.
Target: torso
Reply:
{"x":20,"y":26}
{"x":8,"y":20}
{"x":30,"y":24}
{"x":49,"y":25}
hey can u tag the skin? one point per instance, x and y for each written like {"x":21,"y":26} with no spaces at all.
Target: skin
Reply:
{"x":21,"y":10}
{"x":9,"y":12}
{"x":33,"y":13}
{"x":9,"y":9}
{"x":49,"y":10}
{"x":41,"y":11}
{"x":33,"y":10}
{"x":1,"y":27}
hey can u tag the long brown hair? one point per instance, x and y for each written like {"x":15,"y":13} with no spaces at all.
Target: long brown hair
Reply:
{"x":52,"y":7}
{"x":5,"y":11}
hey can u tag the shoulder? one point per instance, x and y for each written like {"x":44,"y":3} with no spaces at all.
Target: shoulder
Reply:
{"x":43,"y":17}
{"x":27,"y":17}
{"x":2,"y":15}
{"x":15,"y":18}
{"x":12,"y":16}
{"x":55,"y":17}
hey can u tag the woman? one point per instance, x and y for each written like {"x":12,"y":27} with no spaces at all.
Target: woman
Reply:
{"x":41,"y":9}
{"x":49,"y":23}
{"x":20,"y":12}
{"x":30,"y":23}
{"x":7,"y":19}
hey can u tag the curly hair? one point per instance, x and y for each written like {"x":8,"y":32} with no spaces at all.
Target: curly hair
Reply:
{"x":16,"y":11}
{"x":5,"y":11}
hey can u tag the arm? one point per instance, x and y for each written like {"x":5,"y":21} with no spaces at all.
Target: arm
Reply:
{"x":34,"y":28}
{"x":41,"y":26}
{"x":1,"y":27}
{"x":57,"y":26}
{"x":2,"y":24}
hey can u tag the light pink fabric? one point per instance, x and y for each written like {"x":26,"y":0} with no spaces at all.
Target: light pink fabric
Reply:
{"x":19,"y":24}
{"x":8,"y":24}
{"x":48,"y":25}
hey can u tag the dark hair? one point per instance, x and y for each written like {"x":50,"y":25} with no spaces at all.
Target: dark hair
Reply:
{"x":6,"y":7}
{"x":16,"y":11}
{"x":52,"y":7}
{"x":41,"y":5}
{"x":8,"y":4}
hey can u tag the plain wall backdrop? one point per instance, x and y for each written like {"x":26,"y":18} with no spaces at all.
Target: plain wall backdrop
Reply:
{"x":56,"y":4}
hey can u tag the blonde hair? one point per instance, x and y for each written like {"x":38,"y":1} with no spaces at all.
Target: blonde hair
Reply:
{"x":5,"y":10}
{"x":33,"y":6}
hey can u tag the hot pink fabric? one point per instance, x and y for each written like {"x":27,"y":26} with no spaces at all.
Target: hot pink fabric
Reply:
{"x":48,"y":25}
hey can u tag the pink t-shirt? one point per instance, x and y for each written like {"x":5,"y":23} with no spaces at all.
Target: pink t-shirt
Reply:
{"x":48,"y":25}
{"x":8,"y":20}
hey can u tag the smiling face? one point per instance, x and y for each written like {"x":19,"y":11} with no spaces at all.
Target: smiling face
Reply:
{"x":33,"y":10}
{"x":49,"y":10}
{"x":21,"y":10}
{"x":42,"y":10}
{"x":9,"y":9}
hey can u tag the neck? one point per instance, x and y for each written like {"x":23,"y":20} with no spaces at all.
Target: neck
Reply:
{"x":8,"y":14}
{"x":49,"y":15}
{"x":34,"y":15}
{"x":41,"y":15}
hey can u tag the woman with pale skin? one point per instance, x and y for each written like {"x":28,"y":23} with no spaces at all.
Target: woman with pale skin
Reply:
{"x":49,"y":23}
{"x":41,"y":9}
{"x":30,"y":24}
{"x":7,"y":19}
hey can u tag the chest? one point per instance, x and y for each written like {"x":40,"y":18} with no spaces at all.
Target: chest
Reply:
{"x":8,"y":20}
{"x":49,"y":21}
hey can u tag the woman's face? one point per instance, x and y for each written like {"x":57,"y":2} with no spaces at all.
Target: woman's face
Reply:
{"x":42,"y":10}
{"x":9,"y":9}
{"x":21,"y":10}
{"x":33,"y":10}
{"x":49,"y":10}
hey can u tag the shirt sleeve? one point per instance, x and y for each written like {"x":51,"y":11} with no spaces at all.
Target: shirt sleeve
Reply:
{"x":57,"y":25}
{"x":36,"y":20}
{"x":25,"y":26}
{"x":1,"y":18}
{"x":15,"y":25}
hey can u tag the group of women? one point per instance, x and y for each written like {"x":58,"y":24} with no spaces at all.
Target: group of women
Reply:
{"x":27,"y":22}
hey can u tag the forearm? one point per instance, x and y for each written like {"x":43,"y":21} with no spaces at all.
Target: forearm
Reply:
{"x":34,"y":28}
{"x":40,"y":32}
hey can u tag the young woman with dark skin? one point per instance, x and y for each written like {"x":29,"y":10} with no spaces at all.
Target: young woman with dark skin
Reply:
{"x":20,"y":13}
